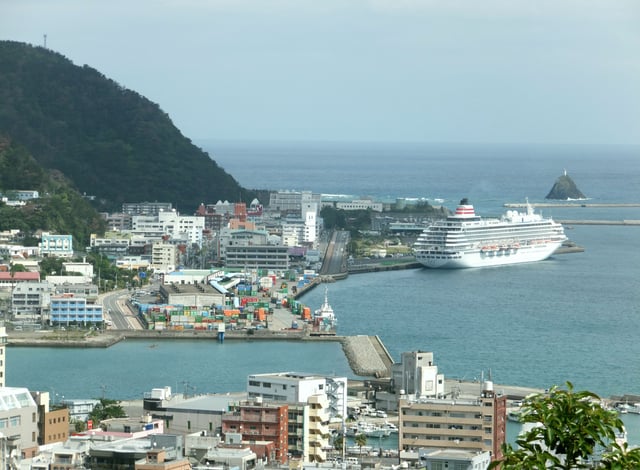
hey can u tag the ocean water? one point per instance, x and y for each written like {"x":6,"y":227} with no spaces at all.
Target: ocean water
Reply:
{"x":574,"y":317}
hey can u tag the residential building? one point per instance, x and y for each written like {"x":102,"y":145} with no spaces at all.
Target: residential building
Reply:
{"x":118,"y":221}
{"x":85,"y":290}
{"x":29,"y":300}
{"x":121,"y":452}
{"x":79,"y":409}
{"x":60,"y":246}
{"x":209,"y":452}
{"x":475,"y":424}
{"x":164,"y":257}
{"x":313,"y":401}
{"x":9,"y":280}
{"x":295,"y":387}
{"x":156,"y":459}
{"x":69,"y":310}
{"x":18,"y":421}
{"x":256,"y":420}
{"x":53,"y":423}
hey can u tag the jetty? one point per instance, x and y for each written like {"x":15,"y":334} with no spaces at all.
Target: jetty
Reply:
{"x":570,"y":204}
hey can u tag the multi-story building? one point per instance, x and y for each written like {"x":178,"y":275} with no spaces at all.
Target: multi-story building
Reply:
{"x":360,"y":205}
{"x":291,"y":202}
{"x":53,"y":424}
{"x":30,"y":301}
{"x":252,"y":249}
{"x":272,"y":257}
{"x":313,"y":401}
{"x":473,"y":424}
{"x":88,"y":291}
{"x":60,"y":246}
{"x":18,"y":422}
{"x":164,"y":257}
{"x":416,"y":374}
{"x":259,"y":421}
{"x":118,"y":221}
{"x":145,"y":208}
{"x":294,"y":387}
{"x":69,"y":310}
{"x":9,"y":280}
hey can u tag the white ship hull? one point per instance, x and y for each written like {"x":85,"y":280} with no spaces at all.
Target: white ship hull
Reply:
{"x":478,"y":258}
{"x":465,"y":240}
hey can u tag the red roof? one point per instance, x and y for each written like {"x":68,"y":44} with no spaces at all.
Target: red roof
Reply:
{"x":20,"y":276}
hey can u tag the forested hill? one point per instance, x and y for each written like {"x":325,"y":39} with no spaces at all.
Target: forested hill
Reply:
{"x":110,"y":142}
{"x":59,"y":209}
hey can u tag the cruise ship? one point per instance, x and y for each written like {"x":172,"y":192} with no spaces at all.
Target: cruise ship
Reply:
{"x":465,"y":240}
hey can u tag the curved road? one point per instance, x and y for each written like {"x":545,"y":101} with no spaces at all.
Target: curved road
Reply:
{"x":118,"y":313}
{"x":335,"y":258}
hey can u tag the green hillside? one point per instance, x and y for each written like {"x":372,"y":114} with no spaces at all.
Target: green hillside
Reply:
{"x":109,"y":141}
{"x":60,"y":208}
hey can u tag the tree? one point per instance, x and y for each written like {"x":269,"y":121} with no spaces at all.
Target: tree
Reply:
{"x":568,"y":428}
{"x":106,"y":409}
{"x":361,"y":441}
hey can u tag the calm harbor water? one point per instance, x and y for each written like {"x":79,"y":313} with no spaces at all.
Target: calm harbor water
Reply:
{"x":574,"y":317}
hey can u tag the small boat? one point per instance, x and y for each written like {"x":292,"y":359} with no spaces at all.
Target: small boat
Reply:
{"x":515,"y":416}
{"x":368,"y":429}
{"x":392,"y":428}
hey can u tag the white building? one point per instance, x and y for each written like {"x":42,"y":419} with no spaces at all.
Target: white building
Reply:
{"x":293,"y":387}
{"x":416,"y":374}
{"x":56,"y":245}
{"x":164,"y":257}
{"x":30,"y":299}
{"x":454,"y":459}
{"x":360,"y":204}
{"x":18,"y":424}
{"x":313,"y":401}
{"x":83,"y":268}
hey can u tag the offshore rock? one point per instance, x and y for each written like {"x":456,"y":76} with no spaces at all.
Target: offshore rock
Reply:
{"x":564,"y":189}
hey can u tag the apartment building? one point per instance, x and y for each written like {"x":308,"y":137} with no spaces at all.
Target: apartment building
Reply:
{"x":259,"y":421}
{"x":475,"y":424}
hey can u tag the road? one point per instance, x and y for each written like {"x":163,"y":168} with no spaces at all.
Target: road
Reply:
{"x":118,"y":313}
{"x":335,"y":259}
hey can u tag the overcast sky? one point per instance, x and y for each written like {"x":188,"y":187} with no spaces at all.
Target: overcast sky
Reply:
{"x":547,"y":71}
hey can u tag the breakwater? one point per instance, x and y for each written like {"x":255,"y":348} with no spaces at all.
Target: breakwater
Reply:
{"x":366,"y":355}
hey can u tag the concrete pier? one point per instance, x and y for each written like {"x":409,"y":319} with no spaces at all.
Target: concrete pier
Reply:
{"x":367,"y":356}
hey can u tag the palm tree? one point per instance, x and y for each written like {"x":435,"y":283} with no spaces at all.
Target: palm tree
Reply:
{"x":361,"y":441}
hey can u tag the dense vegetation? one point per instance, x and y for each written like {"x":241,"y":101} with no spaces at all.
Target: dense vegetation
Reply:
{"x":60,"y":208}
{"x":109,"y":141}
{"x":565,"y":430}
